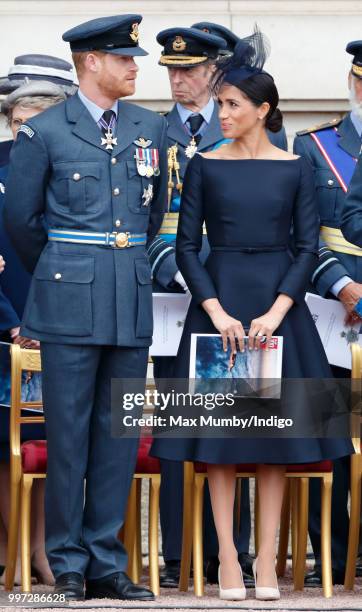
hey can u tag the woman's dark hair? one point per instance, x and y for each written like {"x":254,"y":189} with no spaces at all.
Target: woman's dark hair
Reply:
{"x":244,"y":70}
{"x":260,"y":88}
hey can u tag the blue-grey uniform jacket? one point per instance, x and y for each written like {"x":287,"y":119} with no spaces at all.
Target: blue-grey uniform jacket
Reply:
{"x":332,"y":265}
{"x":61,"y":176}
{"x":162,"y":251}
{"x":351,"y":223}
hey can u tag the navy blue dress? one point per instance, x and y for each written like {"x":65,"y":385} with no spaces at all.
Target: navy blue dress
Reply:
{"x":249,"y":207}
{"x":14,"y":287}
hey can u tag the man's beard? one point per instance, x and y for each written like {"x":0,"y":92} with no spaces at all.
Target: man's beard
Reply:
{"x":112,"y":88}
{"x":355,"y":105}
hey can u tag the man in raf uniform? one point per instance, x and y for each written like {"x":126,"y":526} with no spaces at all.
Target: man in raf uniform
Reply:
{"x":90,"y":301}
{"x":332,"y":149}
{"x":189,"y":54}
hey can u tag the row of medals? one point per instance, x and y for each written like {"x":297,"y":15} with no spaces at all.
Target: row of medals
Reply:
{"x":144,"y":169}
{"x":147,"y":170}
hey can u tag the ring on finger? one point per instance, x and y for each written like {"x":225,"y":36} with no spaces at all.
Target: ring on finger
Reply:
{"x":260,"y":334}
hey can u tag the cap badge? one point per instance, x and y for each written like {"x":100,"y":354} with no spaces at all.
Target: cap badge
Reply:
{"x":179,"y":44}
{"x":134,"y":33}
{"x":206,"y":30}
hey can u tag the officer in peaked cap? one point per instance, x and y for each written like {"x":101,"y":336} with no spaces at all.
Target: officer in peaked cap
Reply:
{"x":332,"y":149}
{"x":99,"y":180}
{"x":355,"y":49}
{"x":227,"y":35}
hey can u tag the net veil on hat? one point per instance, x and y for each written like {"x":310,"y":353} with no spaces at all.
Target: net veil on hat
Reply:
{"x":248,"y":59}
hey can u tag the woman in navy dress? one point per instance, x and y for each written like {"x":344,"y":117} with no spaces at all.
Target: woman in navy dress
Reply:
{"x":249,"y":193}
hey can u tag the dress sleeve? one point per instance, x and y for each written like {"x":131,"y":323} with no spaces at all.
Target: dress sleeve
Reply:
{"x":189,"y":234}
{"x":306,"y":232}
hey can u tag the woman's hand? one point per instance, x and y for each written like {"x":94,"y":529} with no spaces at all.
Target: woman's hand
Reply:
{"x":262,"y":328}
{"x":2,"y":264}
{"x":227,"y":326}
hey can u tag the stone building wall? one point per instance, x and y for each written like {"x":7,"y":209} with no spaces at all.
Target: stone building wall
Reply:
{"x":308,"y":38}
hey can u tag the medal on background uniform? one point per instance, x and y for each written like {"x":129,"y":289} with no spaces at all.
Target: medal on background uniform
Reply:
{"x":147,"y":195}
{"x":141,"y":162}
{"x":155,"y":162}
{"x":191,"y":148}
{"x":109,"y":139}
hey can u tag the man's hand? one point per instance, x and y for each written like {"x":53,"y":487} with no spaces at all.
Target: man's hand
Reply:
{"x":349,"y":296}
{"x":2,"y":264}
{"x":180,"y":280}
{"x":27,"y":342}
{"x":21,"y":340}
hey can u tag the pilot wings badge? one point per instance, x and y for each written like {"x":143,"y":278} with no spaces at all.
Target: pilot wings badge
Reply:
{"x":142,"y":142}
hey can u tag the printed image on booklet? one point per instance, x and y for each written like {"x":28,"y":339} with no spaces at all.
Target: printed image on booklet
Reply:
{"x":255,"y":373}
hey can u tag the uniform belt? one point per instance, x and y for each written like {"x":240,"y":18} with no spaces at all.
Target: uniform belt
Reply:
{"x":336,"y":242}
{"x":170,"y":223}
{"x":118,"y":240}
{"x":245,"y":249}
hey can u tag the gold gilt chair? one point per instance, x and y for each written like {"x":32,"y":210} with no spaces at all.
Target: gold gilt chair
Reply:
{"x":149,"y":468}
{"x":356,"y":468}
{"x":196,"y":474}
{"x":27,"y":462}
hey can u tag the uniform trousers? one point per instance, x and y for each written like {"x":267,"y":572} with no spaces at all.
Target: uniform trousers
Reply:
{"x":89,"y":472}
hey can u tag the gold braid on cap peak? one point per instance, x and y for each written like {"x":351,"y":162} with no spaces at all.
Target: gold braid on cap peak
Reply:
{"x":184,"y":59}
{"x":357,"y":70}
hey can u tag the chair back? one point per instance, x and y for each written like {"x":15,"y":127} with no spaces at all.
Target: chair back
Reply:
{"x":29,"y":361}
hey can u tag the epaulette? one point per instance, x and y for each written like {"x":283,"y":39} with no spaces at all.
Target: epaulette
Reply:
{"x":322,"y":126}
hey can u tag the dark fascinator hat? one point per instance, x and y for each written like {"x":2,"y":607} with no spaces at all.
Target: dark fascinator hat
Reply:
{"x":248,"y":59}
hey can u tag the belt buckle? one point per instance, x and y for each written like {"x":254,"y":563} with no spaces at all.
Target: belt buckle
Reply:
{"x":121,"y":240}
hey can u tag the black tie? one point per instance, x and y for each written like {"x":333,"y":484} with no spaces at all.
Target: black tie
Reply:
{"x":196,"y":122}
{"x":107,"y":121}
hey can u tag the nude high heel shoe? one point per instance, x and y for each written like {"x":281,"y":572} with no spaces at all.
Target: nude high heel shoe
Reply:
{"x":264,"y":593}
{"x":236,"y":594}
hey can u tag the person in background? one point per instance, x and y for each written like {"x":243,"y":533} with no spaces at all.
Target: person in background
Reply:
{"x":35,"y":67}
{"x":189,"y":54}
{"x":34,"y":83}
{"x":332,"y":150}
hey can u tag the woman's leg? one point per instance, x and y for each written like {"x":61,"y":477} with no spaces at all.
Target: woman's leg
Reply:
{"x":271,"y":482}
{"x":38,"y":556}
{"x":4,"y":517}
{"x":222,"y":493}
{"x":37,"y":541}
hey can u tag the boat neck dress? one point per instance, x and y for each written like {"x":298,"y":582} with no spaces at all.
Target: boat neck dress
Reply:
{"x":250,"y":207}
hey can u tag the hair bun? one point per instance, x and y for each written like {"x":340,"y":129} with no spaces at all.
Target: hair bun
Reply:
{"x":274,"y":123}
